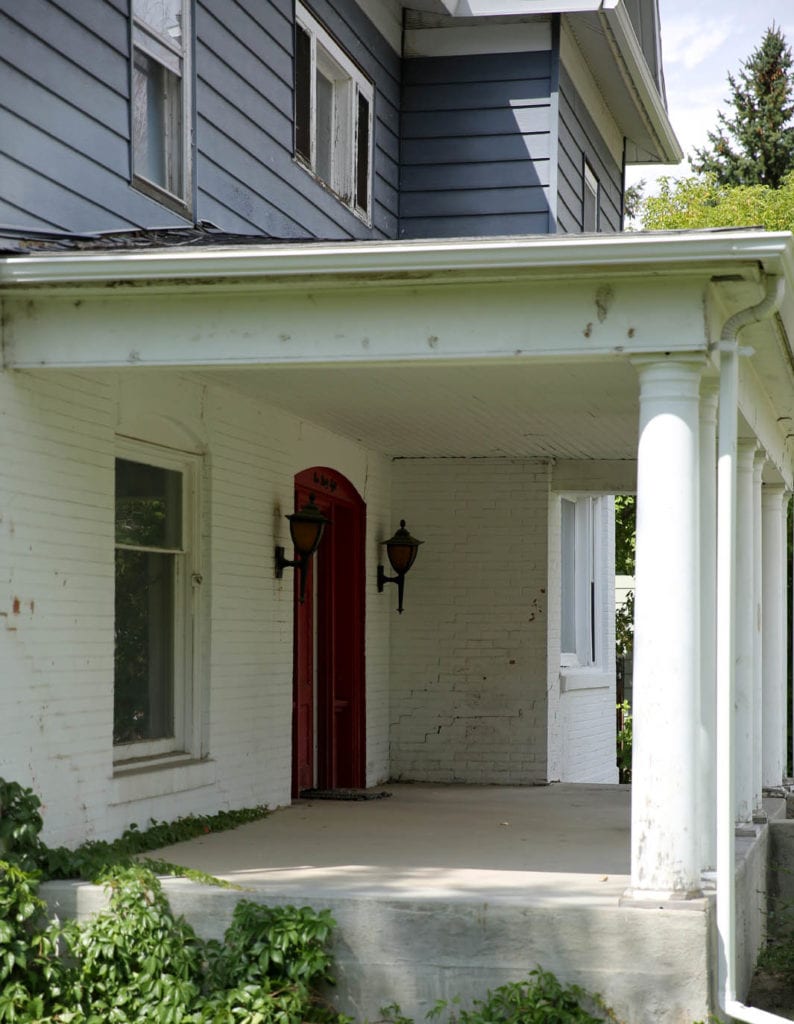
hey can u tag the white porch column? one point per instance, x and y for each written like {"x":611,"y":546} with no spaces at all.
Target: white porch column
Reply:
{"x":706,"y":775}
{"x":745,"y":630}
{"x":774,"y":505}
{"x":665,"y":860}
{"x":758,"y":617}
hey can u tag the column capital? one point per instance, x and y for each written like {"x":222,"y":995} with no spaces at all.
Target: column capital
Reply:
{"x":746,"y":448}
{"x":672,"y":378}
{"x":773,"y":495}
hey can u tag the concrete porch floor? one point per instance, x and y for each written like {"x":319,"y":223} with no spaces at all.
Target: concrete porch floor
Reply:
{"x":557,"y":843}
{"x":444,"y":891}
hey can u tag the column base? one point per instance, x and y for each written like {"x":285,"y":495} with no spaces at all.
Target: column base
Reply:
{"x":662,"y":899}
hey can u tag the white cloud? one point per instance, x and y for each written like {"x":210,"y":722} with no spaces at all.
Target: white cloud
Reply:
{"x":690,"y":41}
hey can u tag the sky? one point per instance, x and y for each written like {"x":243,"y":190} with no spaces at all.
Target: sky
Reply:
{"x":702,"y":40}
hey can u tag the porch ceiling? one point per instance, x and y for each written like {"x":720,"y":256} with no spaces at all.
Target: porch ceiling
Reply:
{"x":570,"y":410}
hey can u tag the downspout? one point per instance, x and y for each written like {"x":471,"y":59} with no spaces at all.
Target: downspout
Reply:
{"x":726,"y":572}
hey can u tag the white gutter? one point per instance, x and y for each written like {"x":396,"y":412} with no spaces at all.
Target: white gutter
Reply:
{"x":391,"y":259}
{"x":726,"y":578}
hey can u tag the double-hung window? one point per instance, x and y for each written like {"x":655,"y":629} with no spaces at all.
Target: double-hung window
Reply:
{"x":333,"y":115}
{"x":154,"y":511}
{"x":580,"y":552}
{"x":161,"y":164}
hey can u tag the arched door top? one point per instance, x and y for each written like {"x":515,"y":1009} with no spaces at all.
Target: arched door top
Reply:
{"x":323,"y":480}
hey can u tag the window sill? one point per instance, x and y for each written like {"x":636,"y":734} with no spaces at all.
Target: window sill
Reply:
{"x":591,"y":678}
{"x":144,"y":778}
{"x":162,"y":196}
{"x":364,"y":216}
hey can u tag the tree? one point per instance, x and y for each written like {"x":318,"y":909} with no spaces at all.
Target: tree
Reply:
{"x":705,"y":203}
{"x":755,"y":146}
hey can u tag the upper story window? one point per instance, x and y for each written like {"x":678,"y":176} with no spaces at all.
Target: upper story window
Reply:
{"x":590,"y":200}
{"x":161,"y":100}
{"x":333,"y":115}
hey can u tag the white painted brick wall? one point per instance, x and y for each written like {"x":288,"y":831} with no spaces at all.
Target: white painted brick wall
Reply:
{"x":56,"y":591}
{"x":468,"y":699}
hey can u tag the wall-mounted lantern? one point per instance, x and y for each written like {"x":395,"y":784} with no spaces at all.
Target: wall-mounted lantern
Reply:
{"x":401,"y":549}
{"x":306,"y":530}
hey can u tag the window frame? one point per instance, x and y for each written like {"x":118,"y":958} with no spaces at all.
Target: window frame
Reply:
{"x":187,"y":576}
{"x":328,"y":57}
{"x":588,"y":565}
{"x":592,"y":186}
{"x":177,"y":143}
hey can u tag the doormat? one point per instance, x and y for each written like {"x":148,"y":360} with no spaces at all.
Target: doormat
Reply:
{"x":343,"y":794}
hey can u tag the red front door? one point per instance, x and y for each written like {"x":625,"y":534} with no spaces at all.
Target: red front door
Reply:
{"x":328,"y":674}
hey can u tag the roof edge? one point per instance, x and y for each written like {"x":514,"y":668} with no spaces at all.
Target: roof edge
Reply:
{"x":774,"y":251}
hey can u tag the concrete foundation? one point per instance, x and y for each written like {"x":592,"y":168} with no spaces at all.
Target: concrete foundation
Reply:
{"x":444,"y":891}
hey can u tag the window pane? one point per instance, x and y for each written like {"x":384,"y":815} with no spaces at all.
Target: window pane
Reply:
{"x":148,"y":505}
{"x":568,"y":583}
{"x":163,"y":16}
{"x":303,"y":98}
{"x":590,"y":200}
{"x":362,"y":154}
{"x":143,"y":704}
{"x":325,"y":125}
{"x":157,"y":123}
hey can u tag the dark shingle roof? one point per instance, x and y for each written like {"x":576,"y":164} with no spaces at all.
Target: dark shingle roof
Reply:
{"x":20,"y":241}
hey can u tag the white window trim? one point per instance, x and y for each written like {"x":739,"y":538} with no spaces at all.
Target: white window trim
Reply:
{"x":177,"y":60}
{"x":590,"y":556}
{"x":590,"y":183}
{"x":186,"y":740}
{"x":334,"y":57}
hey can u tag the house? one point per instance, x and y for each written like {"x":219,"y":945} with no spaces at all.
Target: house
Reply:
{"x":366,"y":257}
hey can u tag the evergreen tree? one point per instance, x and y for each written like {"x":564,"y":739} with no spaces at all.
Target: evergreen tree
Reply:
{"x":755,"y":146}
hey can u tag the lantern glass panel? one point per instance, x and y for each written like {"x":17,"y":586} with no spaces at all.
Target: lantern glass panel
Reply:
{"x":305,"y":535}
{"x":401,"y":556}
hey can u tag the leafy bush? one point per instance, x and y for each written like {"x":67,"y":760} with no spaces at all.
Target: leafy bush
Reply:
{"x":136,"y":962}
{"x":539,"y":999}
{"x":21,"y":822}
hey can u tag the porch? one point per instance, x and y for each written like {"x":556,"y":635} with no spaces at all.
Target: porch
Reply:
{"x":451,"y":890}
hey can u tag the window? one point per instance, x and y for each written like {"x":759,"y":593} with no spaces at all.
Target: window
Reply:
{"x":590,"y":200}
{"x":153,"y":699}
{"x":579,"y":556}
{"x":161,"y":100}
{"x":333,"y":115}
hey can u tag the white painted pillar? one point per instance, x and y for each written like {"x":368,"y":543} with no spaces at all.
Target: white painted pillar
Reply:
{"x":665,"y":861}
{"x":758,"y":471}
{"x":706,"y":776}
{"x":774,"y":506}
{"x":745,"y":628}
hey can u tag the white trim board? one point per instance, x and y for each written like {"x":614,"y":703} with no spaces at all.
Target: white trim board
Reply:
{"x":573,"y":61}
{"x":458,"y":41}
{"x":387,"y":17}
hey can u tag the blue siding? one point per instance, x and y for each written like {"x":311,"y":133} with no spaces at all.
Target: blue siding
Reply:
{"x":64,"y":120}
{"x":247,"y":177}
{"x":579,"y":139}
{"x":475,"y":145}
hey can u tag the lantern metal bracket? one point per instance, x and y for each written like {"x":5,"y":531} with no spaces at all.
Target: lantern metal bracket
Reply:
{"x":383,"y":579}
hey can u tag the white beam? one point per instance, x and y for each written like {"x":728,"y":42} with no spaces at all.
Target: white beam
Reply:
{"x":416,"y":322}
